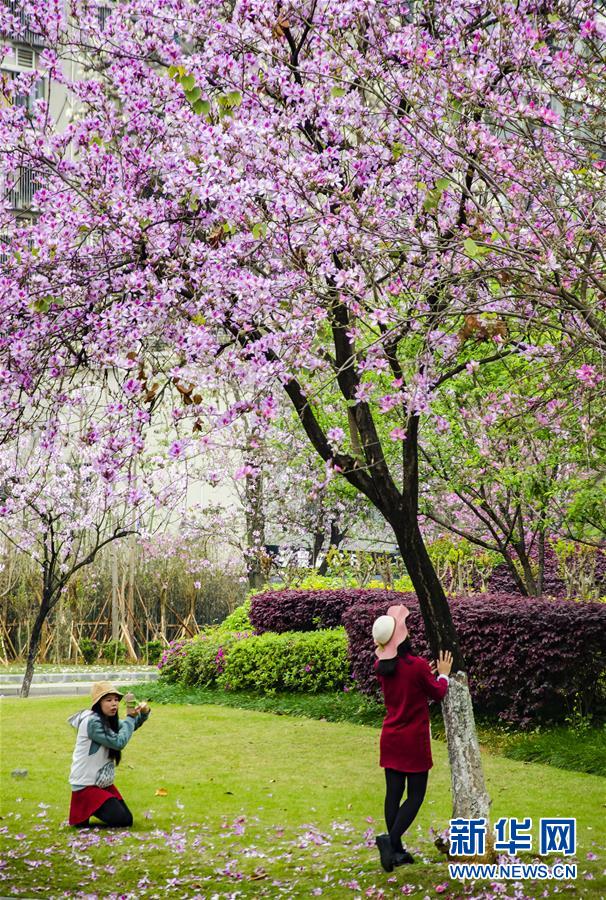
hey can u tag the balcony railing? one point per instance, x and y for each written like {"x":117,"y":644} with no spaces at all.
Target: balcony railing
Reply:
{"x":25,"y":35}
{"x":24,"y":185}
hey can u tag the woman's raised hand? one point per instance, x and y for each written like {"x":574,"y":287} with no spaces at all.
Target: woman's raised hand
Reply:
{"x":444,"y":663}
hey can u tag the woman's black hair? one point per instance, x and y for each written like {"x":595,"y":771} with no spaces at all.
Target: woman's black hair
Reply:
{"x":112,"y":723}
{"x":388,"y":666}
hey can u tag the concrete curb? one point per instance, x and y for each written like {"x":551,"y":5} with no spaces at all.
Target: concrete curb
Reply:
{"x":72,"y":684}
{"x":81,"y":676}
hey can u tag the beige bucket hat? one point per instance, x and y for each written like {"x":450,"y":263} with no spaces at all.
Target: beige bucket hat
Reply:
{"x":101,"y":689}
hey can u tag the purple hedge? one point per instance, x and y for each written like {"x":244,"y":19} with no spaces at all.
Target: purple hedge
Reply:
{"x":528,"y":660}
{"x":307,"y":610}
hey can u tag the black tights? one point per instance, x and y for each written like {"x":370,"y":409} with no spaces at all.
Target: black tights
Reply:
{"x":114,"y":813}
{"x":399,"y":818}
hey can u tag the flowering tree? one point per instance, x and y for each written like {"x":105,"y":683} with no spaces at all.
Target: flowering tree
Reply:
{"x":348,"y":202}
{"x":504,"y":460}
{"x":69,"y":487}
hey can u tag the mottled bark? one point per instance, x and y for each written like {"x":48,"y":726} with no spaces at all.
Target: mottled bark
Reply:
{"x":470,"y":798}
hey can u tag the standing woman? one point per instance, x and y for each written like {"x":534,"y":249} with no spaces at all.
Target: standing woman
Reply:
{"x":99,"y":744}
{"x":408,"y":683}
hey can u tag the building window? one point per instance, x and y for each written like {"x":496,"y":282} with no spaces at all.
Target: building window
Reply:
{"x":23,"y":185}
{"x":25,"y":34}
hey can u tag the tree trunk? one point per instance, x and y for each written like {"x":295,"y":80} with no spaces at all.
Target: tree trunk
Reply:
{"x":440,"y":630}
{"x":469,"y":794}
{"x":34,"y":643}
{"x":255,"y":530}
{"x":336,"y":537}
{"x":529,"y":579}
{"x":541,"y":574}
{"x":163,"y":614}
{"x":129,"y":619}
{"x":470,"y":798}
{"x":318,"y":543}
{"x":115,"y":597}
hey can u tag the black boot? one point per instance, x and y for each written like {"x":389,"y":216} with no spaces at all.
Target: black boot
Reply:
{"x":386,"y":851}
{"x":402,"y":858}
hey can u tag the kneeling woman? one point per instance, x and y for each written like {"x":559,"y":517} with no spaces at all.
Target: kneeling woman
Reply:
{"x":101,"y":738}
{"x":408,"y":683}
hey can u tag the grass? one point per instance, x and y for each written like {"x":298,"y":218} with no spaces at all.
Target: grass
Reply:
{"x":565,"y":748}
{"x":340,"y":706}
{"x":255,"y":805}
{"x":576,"y":750}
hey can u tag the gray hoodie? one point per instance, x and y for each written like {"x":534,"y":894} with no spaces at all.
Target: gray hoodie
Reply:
{"x":91,"y":764}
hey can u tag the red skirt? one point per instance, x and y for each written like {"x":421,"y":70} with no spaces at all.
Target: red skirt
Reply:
{"x":87,"y":801}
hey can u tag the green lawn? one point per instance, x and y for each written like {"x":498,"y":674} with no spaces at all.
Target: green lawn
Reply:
{"x":256,"y":805}
{"x":580,"y":750}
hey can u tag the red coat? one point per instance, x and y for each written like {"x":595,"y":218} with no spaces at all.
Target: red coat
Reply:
{"x":405,"y":741}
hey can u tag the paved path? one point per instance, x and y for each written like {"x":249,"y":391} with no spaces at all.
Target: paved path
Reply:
{"x":72,"y":682}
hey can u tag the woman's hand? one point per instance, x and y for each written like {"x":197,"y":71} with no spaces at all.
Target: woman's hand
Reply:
{"x":444,"y":663}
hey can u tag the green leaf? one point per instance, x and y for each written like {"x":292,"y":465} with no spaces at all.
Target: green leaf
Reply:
{"x":201,"y":107}
{"x":43,"y":304}
{"x":230,"y":100}
{"x":188,"y":82}
{"x":397,"y":150}
{"x":193,"y":95}
{"x":473,"y":250}
{"x":259,"y":230}
{"x":338,"y":92}
{"x":234,"y":99}
{"x":442,"y":184}
{"x":173,"y":72}
{"x":432,"y":199}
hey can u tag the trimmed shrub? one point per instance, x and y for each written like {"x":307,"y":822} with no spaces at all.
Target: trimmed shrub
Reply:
{"x":152,"y":650}
{"x":239,"y":619}
{"x":527,"y":659}
{"x":89,"y":650}
{"x":113,"y":652}
{"x":200,"y":660}
{"x":293,"y":661}
{"x":171,"y":661}
{"x":309,"y":610}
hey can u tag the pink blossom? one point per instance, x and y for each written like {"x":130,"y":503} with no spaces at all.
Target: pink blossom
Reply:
{"x":335,"y":436}
{"x":588,"y":375}
{"x":245,"y":471}
{"x":176,"y":449}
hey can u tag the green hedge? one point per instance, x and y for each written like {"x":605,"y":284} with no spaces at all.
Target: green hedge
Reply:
{"x":200,"y":660}
{"x":238,"y":620}
{"x":292,"y":661}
